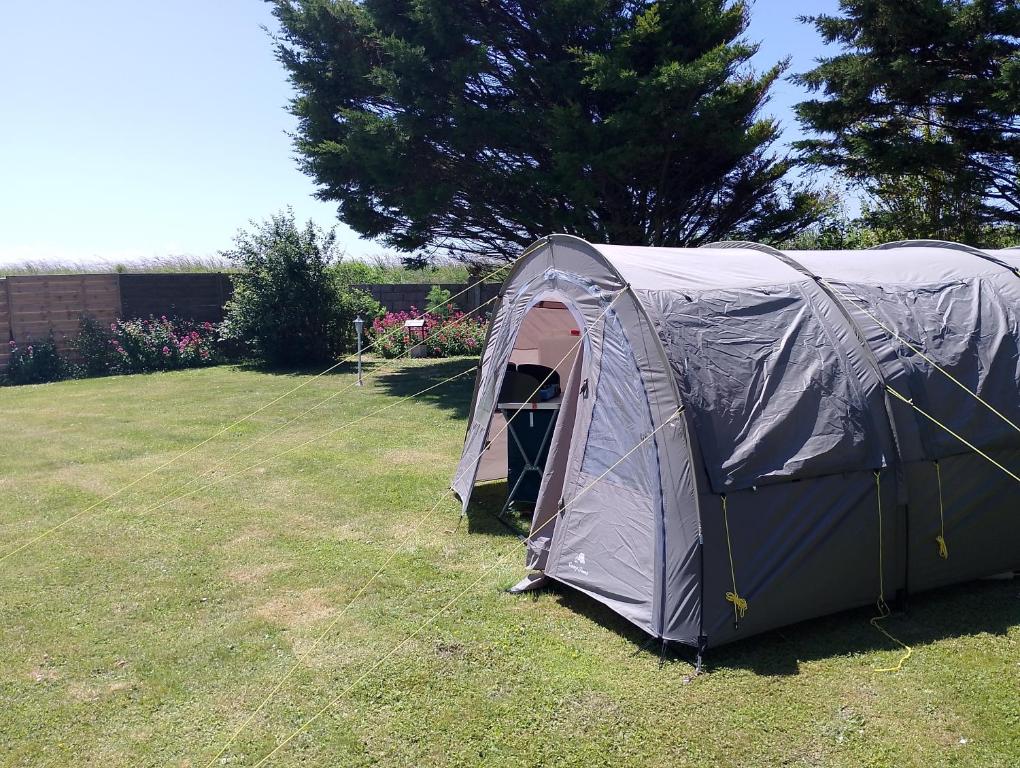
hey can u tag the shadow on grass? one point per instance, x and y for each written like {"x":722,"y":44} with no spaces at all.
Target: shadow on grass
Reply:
{"x":401,"y":378}
{"x":982,"y":607}
{"x":453,"y":397}
{"x":978,"y":607}
{"x":343,"y":369}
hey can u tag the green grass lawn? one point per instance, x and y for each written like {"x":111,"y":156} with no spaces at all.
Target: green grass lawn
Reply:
{"x":145,"y":638}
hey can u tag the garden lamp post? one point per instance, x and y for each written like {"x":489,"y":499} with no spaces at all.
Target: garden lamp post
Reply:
{"x":358,"y":325}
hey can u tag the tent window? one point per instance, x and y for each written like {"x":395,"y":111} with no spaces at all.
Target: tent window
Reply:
{"x":620,"y":420}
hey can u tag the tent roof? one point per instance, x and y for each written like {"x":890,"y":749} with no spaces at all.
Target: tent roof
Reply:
{"x":697,"y":269}
{"x":1010,"y":255}
{"x":907,"y":265}
{"x":715,"y":268}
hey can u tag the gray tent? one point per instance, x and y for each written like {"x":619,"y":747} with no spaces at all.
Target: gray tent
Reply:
{"x":743,"y":424}
{"x":1010,"y":255}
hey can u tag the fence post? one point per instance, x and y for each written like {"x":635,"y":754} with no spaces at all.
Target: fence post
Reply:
{"x":10,"y":311}
{"x":6,"y":328}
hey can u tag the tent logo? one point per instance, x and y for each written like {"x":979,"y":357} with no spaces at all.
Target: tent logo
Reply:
{"x":578,"y":563}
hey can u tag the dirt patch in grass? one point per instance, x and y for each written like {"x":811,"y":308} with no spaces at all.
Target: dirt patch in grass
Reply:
{"x":592,"y":707}
{"x":83,"y":478}
{"x":44,"y":674}
{"x":247,"y":537}
{"x":82,"y":692}
{"x":297,"y":610}
{"x":413,"y":457}
{"x":252,"y":574}
{"x":450,"y":651}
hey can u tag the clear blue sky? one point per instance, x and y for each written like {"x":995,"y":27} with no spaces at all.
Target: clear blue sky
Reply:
{"x":133,"y":130}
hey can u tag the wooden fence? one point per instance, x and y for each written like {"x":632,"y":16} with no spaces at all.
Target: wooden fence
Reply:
{"x":198,"y":296}
{"x":402,"y":297}
{"x":34,"y":306}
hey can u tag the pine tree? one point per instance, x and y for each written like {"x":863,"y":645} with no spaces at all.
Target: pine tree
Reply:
{"x":922,"y":108}
{"x":481,"y":125}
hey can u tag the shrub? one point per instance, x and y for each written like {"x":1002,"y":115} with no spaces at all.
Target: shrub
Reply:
{"x":445,"y":336}
{"x":36,"y":363}
{"x":439,"y":301}
{"x":290,"y":307}
{"x":161,"y":344}
{"x":94,"y":349}
{"x":351,"y":272}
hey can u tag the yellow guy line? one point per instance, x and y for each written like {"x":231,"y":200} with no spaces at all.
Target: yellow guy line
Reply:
{"x":400,"y":544}
{"x":299,"y":446}
{"x":883,"y":609}
{"x":192,"y":449}
{"x":424,"y":625}
{"x":921,"y":354}
{"x":739,"y":603}
{"x":385,"y":367}
{"x":938,"y":423}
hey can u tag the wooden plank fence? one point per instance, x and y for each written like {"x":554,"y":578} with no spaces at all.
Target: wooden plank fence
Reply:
{"x":34,"y":306}
{"x":5,"y":325}
{"x":402,"y":297}
{"x":198,"y":296}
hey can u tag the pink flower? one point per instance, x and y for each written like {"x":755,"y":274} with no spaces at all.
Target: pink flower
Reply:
{"x":166,"y":351}
{"x":113,"y":326}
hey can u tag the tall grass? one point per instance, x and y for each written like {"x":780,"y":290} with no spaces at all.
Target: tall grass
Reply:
{"x":376,"y":269}
{"x":385,"y":268}
{"x":161,"y":264}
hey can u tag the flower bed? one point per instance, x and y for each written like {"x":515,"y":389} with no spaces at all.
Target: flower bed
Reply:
{"x":447,"y":333}
{"x":36,"y":363}
{"x":138,"y":345}
{"x":161,"y":344}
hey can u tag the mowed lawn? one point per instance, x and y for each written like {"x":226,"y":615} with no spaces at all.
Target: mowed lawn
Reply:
{"x":144,"y":633}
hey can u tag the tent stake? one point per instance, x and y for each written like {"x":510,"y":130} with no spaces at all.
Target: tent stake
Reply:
{"x":700,"y":655}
